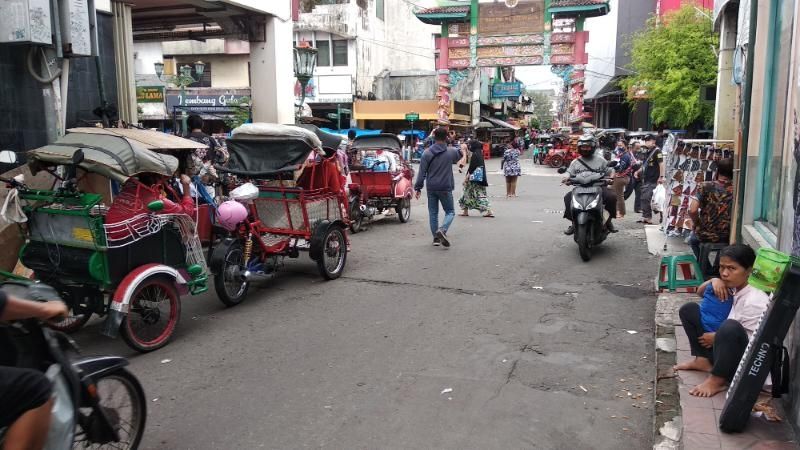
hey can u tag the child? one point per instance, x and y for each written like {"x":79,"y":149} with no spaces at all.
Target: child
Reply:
{"x":713,"y":310}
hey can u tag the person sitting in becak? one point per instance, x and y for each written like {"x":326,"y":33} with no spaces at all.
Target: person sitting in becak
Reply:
{"x":136,"y":194}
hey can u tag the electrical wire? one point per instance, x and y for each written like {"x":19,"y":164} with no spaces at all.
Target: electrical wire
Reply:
{"x":399,"y":50}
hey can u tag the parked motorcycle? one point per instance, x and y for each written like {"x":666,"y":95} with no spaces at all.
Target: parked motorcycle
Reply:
{"x":98,"y":403}
{"x":589,"y":215}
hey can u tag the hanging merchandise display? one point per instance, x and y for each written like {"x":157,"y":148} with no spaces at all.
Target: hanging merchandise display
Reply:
{"x":689,"y":163}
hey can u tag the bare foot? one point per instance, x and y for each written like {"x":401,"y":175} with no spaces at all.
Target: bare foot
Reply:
{"x":709,"y":388}
{"x":698,"y":363}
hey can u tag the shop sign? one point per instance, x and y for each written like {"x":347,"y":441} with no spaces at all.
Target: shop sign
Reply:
{"x":498,"y":19}
{"x":207,"y":103}
{"x":511,"y":89}
{"x":150,"y":94}
{"x":412,"y":117}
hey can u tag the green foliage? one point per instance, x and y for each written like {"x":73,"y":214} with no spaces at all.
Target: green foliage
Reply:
{"x":542,"y":109}
{"x":241,"y":112}
{"x":673,"y":59}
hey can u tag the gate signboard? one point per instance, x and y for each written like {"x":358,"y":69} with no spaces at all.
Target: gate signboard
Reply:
{"x":507,"y":90}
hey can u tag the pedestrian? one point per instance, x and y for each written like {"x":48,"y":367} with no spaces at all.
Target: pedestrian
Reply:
{"x":635,"y":185}
{"x":475,"y":183}
{"x":710,"y":208}
{"x":436,"y":169}
{"x":719,"y":352}
{"x":511,"y":168}
{"x":622,"y":176}
{"x":652,"y":174}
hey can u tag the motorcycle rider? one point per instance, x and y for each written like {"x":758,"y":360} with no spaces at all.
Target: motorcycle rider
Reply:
{"x":590,"y":160}
{"x":25,"y":394}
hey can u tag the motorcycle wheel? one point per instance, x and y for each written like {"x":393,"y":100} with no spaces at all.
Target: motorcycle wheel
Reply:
{"x":152,"y":316}
{"x":556,"y":162}
{"x":584,"y":246}
{"x":121,"y":397}
{"x":231,"y":288}
{"x":404,"y":210}
{"x":356,"y":218}
{"x":333,"y":257}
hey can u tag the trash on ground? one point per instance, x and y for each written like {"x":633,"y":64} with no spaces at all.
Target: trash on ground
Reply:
{"x":632,"y":331}
{"x":537,"y":221}
{"x":447,"y":390}
{"x":583,"y":388}
{"x":164,"y":361}
{"x":155,"y":399}
{"x":538,"y":288}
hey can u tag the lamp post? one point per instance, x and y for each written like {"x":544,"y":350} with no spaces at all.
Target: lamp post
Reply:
{"x":305,"y":61}
{"x":183,"y":79}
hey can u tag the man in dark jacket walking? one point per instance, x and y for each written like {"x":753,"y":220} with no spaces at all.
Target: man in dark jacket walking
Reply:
{"x":436,"y":167}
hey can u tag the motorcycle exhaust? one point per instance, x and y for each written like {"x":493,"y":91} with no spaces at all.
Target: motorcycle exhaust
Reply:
{"x":257,"y":276}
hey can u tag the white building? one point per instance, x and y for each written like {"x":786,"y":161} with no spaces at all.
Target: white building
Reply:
{"x":357,"y":40}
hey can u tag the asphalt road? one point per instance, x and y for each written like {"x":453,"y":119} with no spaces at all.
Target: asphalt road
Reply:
{"x":539,"y":349}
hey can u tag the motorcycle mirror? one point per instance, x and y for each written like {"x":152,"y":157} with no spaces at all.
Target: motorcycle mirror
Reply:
{"x":155,"y":205}
{"x":8,"y":157}
{"x":613,"y":164}
{"x":562,"y":170}
{"x":78,"y":157}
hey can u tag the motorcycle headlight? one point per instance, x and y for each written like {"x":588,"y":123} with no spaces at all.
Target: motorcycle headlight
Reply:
{"x":575,"y":203}
{"x":594,"y":203}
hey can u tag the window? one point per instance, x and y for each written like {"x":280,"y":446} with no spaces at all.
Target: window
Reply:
{"x":379,"y":9}
{"x":339,"y":53}
{"x":323,"y":53}
{"x":769,"y":198}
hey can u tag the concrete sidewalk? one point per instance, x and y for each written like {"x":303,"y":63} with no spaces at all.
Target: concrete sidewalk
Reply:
{"x":691,"y":423}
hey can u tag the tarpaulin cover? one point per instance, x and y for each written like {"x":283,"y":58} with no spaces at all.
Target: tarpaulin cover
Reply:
{"x":384,"y":140}
{"x":269,"y":149}
{"x":329,"y":140}
{"x":115,"y":157}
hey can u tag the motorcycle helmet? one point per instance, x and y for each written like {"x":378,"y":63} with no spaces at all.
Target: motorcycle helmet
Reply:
{"x":230,"y":214}
{"x":586,"y":146}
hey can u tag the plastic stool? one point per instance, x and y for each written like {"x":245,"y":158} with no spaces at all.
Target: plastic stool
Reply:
{"x":707,"y":250}
{"x":668,"y":278}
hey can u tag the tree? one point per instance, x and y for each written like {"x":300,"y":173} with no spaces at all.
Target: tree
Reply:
{"x":542,"y":109}
{"x":673,"y":59}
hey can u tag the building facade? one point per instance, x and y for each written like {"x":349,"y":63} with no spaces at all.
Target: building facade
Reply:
{"x":767,"y":210}
{"x":357,"y":40}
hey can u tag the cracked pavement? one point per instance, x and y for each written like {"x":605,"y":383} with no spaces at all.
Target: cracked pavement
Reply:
{"x":533,"y":343}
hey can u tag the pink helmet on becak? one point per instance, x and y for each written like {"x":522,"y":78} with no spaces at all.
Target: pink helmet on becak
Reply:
{"x":230,"y":214}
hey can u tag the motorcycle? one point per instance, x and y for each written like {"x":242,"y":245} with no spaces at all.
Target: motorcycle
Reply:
{"x":98,"y":402}
{"x":589,"y":216}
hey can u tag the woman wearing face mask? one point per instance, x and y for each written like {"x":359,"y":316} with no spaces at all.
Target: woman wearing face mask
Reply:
{"x":719,"y":352}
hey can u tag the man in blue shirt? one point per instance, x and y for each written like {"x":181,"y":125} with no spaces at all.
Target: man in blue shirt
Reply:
{"x":436,"y":168}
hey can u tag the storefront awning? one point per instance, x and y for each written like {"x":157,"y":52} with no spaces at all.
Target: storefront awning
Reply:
{"x":499,"y":123}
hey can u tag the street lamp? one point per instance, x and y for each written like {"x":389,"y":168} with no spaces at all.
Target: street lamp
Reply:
{"x":305,"y":60}
{"x":183,"y":79}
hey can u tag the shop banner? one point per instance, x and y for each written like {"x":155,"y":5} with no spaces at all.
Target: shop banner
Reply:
{"x":150,"y":94}
{"x":510,"y":90}
{"x":207,"y":103}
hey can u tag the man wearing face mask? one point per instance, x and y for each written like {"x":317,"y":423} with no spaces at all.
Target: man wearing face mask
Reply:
{"x":590,"y":160}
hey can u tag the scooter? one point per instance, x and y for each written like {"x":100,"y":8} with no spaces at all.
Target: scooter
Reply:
{"x":589,"y":216}
{"x":97,"y":401}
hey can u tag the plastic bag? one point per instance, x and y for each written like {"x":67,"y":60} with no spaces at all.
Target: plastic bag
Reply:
{"x":247,"y":191}
{"x":11,"y":211}
{"x":659,"y":198}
